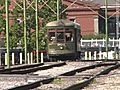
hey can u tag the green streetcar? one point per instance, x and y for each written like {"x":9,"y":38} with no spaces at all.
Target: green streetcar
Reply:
{"x":63,"y":40}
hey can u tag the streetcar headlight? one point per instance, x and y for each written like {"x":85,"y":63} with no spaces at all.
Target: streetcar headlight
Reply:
{"x":52,"y":51}
{"x":61,"y":47}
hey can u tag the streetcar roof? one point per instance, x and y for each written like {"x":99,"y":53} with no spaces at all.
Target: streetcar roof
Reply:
{"x":63,"y":23}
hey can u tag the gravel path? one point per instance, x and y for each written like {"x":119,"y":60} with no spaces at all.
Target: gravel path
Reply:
{"x":60,"y":83}
{"x":6,"y":82}
{"x":108,"y":82}
{"x":10,"y":81}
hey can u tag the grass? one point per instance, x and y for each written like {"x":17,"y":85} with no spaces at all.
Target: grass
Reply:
{"x":57,"y":81}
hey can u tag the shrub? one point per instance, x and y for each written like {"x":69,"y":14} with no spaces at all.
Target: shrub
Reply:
{"x":93,"y":36}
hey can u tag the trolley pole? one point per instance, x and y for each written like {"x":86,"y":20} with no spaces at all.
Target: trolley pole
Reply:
{"x":37,"y":32}
{"x":106,"y":28}
{"x":7,"y":31}
{"x":57,"y":9}
{"x":25,"y":30}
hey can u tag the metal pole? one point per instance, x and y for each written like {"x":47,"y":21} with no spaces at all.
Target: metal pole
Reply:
{"x":117,"y":20}
{"x":25,"y":30}
{"x":7,"y":31}
{"x":57,"y":9}
{"x":37,"y":32}
{"x":106,"y":27}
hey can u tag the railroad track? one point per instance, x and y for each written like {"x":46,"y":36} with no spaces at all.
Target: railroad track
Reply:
{"x":1,"y":67}
{"x":25,"y":69}
{"x":110,"y":81}
{"x":84,"y":79}
{"x":18,"y":67}
{"x":88,"y":79}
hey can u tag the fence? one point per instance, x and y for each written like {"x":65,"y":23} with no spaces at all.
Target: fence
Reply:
{"x":31,"y":57}
{"x":100,"y":55}
{"x":91,"y":54}
{"x":88,"y":55}
{"x":100,"y":42}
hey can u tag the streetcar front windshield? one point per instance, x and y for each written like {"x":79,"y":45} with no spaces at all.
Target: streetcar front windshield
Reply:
{"x":51,"y":36}
{"x":69,"y":36}
{"x":60,"y":36}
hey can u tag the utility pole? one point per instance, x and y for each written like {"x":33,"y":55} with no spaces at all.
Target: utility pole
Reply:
{"x":37,"y":31}
{"x":7,"y":31}
{"x":106,"y":27}
{"x":57,"y":9}
{"x":25,"y":30}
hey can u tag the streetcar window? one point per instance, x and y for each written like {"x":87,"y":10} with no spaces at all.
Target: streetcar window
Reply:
{"x":60,"y":37}
{"x":69,"y":36}
{"x":52,"y":36}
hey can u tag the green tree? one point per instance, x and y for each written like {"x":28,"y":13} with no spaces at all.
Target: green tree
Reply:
{"x":2,"y":24}
{"x":15,"y":34}
{"x":48,"y":14}
{"x":16,"y":30}
{"x":2,"y":12}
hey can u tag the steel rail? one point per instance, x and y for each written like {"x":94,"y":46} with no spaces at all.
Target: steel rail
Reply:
{"x":21,"y":67}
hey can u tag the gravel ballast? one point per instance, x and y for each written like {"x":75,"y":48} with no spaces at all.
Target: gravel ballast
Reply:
{"x":107,"y":82}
